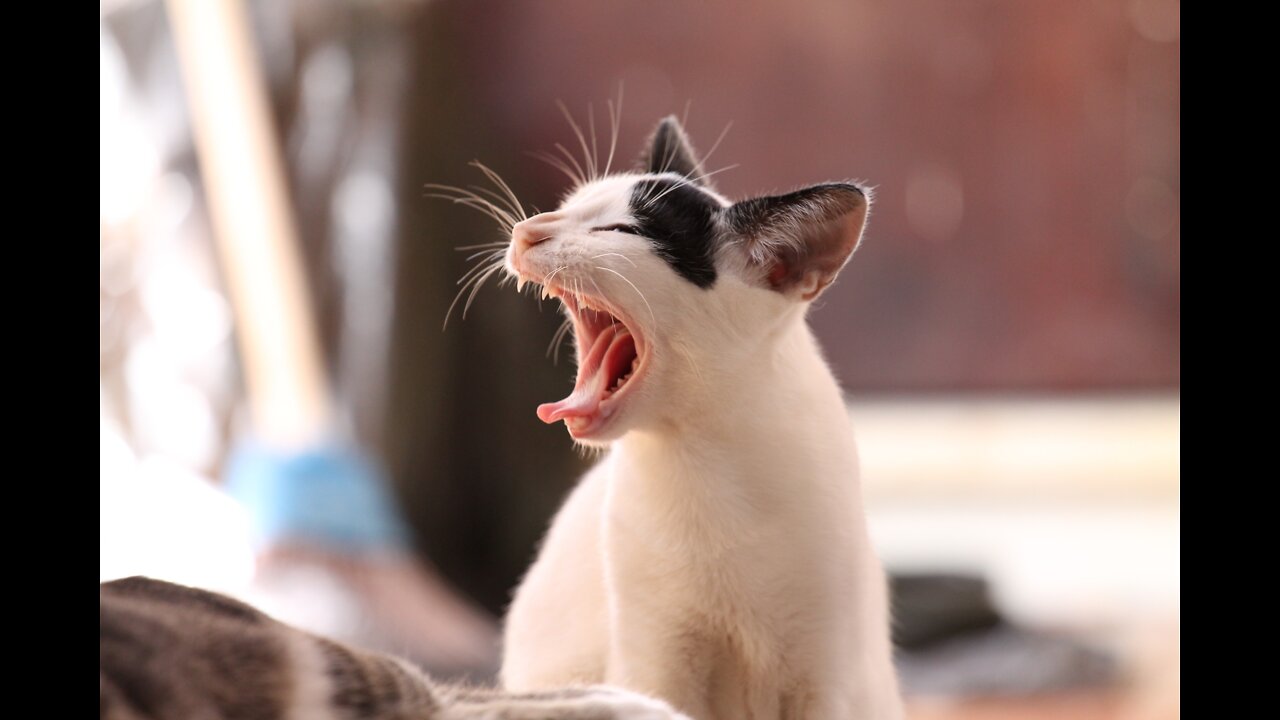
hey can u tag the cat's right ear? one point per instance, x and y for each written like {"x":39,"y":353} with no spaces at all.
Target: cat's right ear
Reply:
{"x":797,"y":243}
{"x":669,"y":150}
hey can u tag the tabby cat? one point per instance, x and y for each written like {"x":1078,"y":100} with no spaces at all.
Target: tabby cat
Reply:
{"x":170,"y":652}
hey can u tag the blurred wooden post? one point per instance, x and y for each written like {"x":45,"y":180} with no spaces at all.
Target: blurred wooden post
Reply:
{"x":241,"y":166}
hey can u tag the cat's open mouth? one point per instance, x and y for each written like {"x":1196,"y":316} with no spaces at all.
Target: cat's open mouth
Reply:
{"x":610,"y":359}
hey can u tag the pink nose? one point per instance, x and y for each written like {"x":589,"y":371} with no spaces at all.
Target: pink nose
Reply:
{"x":530,"y":232}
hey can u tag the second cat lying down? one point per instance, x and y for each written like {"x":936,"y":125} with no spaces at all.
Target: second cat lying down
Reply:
{"x":170,"y":652}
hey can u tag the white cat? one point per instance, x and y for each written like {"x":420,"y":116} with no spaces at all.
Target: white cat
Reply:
{"x":717,"y":556}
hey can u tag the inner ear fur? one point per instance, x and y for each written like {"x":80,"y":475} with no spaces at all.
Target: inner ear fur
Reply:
{"x":797,"y":243}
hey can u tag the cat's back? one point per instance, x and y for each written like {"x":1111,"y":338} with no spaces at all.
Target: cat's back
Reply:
{"x":169,"y":651}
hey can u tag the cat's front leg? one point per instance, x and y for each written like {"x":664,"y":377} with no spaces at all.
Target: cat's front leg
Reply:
{"x":647,"y":657}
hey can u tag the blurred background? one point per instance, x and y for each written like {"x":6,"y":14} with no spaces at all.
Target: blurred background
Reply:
{"x":1008,"y":333}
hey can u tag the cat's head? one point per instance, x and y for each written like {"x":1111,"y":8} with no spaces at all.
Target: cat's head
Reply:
{"x":674,"y":291}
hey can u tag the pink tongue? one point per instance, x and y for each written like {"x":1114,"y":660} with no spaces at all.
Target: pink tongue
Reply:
{"x":611,"y":348}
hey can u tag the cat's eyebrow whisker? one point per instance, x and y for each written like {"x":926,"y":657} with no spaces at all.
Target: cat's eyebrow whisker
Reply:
{"x":558,"y":164}
{"x":715,"y":145}
{"x":615,"y":123}
{"x":688,"y":181}
{"x":582,"y":173}
{"x":624,"y":257}
{"x":582,"y":140}
{"x":652,"y":317}
{"x":595,"y":152}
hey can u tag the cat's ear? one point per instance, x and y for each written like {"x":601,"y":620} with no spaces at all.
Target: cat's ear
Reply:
{"x":797,"y":243}
{"x":668,"y":150}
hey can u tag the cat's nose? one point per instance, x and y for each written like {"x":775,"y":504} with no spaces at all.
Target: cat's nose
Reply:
{"x":536,"y":229}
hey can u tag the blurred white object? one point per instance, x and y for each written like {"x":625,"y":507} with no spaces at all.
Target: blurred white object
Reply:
{"x":160,"y":519}
{"x":1069,"y":506}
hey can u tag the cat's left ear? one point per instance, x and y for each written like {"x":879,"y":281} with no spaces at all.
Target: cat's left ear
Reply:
{"x":669,"y":150}
{"x":797,"y":243}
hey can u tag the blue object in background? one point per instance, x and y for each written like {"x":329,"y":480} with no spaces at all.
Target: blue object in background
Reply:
{"x":330,"y":496}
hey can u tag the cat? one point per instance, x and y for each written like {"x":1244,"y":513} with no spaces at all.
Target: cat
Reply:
{"x":171,"y":652}
{"x":717,"y":556}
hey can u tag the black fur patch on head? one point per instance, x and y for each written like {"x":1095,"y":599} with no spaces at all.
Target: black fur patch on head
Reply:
{"x":680,"y":221}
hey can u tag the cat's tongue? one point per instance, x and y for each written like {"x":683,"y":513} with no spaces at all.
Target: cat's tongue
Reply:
{"x":610,"y":354}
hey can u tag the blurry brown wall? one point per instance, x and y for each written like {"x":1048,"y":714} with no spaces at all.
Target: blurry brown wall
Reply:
{"x":1025,"y":158}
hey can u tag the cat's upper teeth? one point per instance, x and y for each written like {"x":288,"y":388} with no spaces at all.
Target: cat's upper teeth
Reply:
{"x":519,"y":284}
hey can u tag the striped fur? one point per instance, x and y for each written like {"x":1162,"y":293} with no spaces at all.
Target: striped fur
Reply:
{"x":170,"y":652}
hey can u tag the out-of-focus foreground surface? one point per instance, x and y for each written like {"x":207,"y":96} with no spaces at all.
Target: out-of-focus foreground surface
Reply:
{"x":1008,"y":333}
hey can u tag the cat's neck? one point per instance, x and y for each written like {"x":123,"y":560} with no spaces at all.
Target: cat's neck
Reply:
{"x":779,"y":418}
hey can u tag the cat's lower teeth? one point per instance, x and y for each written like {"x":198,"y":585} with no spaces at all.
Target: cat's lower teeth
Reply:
{"x":617,"y":384}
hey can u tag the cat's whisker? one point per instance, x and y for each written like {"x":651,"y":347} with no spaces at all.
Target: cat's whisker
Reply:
{"x":546,"y":281}
{"x":472,"y":200}
{"x":483,"y":264}
{"x":558,"y":164}
{"x":475,"y":288}
{"x":472,"y":282}
{"x":493,"y":251}
{"x":595,"y":153}
{"x":553,"y":350}
{"x":715,"y":145}
{"x":615,"y":124}
{"x":515,"y":211}
{"x":652,"y":317}
{"x":688,"y":181}
{"x":583,"y":175}
{"x":496,"y":179}
{"x":483,"y":206}
{"x":582,"y":140}
{"x":624,"y":257}
{"x":494,"y":244}
{"x":468,"y":194}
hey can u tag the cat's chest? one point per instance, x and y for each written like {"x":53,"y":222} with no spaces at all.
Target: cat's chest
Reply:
{"x":707,"y":513}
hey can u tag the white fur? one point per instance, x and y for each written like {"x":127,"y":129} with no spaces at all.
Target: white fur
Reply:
{"x":717,"y":556}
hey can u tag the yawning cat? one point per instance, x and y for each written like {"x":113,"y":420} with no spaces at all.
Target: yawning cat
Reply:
{"x":717,"y":556}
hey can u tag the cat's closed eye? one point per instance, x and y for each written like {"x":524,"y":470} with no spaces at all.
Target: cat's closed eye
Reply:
{"x":620,"y":227}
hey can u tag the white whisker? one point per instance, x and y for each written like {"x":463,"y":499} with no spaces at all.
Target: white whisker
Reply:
{"x":583,"y":175}
{"x":624,"y":257}
{"x":463,"y":289}
{"x":595,"y":153}
{"x":582,"y":140}
{"x":558,"y":339}
{"x":496,"y":179}
{"x":476,"y":288}
{"x":652,"y":317}
{"x":716,"y":144}
{"x":558,"y":164}
{"x":496,"y":243}
{"x":476,"y":202}
{"x":615,"y":122}
{"x":687,"y":181}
